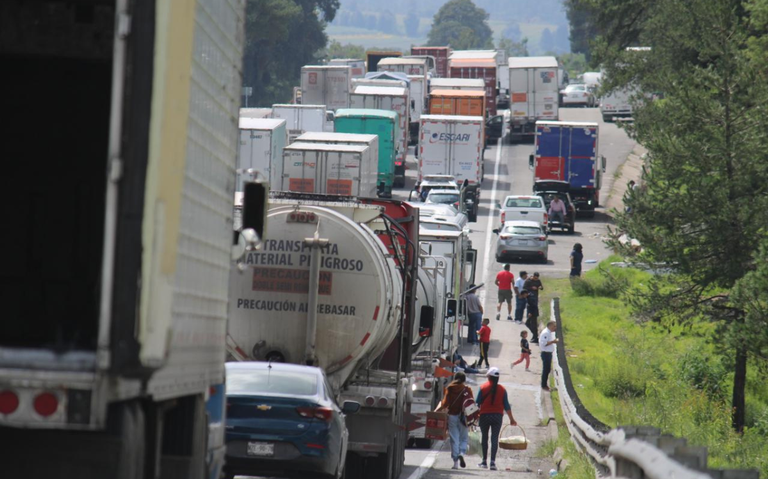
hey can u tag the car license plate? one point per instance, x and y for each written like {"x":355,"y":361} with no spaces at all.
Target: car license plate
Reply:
{"x":522,"y":242}
{"x":263,"y":449}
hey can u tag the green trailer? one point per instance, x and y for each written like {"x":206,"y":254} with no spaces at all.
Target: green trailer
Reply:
{"x":374,"y":122}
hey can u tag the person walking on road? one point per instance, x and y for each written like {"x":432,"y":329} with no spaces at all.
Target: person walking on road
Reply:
{"x":493,"y":401}
{"x":547,"y":341}
{"x":520,"y":301}
{"x":534,"y":286}
{"x":485,"y":342}
{"x":576,"y":257}
{"x":532,"y":322}
{"x":475,"y":312}
{"x":504,"y":282}
{"x":525,"y":351}
{"x":453,"y":401}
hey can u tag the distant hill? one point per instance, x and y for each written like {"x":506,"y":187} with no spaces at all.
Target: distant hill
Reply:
{"x":365,"y":22}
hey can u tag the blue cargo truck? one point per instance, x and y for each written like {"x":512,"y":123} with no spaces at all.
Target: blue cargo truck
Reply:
{"x":568,"y":151}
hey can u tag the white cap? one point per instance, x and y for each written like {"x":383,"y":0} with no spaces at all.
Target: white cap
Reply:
{"x":493,"y":372}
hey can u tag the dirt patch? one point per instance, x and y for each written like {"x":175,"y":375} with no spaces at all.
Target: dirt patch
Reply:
{"x":631,"y":169}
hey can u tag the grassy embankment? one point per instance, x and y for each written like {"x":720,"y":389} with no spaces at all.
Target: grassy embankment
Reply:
{"x":674,"y":378}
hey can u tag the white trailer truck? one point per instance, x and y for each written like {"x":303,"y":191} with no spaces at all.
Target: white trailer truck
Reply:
{"x":261,"y":148}
{"x":326,"y":85}
{"x":115,"y":281}
{"x":453,"y":145}
{"x":300,"y":119}
{"x":418,"y":88}
{"x":333,"y":169}
{"x":533,"y":92}
{"x":357,"y":66}
{"x":325,"y":290}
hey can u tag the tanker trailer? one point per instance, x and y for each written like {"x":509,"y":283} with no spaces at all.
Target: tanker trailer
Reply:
{"x":323,"y":290}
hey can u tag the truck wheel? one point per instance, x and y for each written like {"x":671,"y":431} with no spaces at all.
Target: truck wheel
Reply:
{"x":607,"y":118}
{"x":127,"y":422}
{"x":423,"y":443}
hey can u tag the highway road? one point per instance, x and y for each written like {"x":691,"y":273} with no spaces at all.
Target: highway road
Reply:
{"x":507,"y":173}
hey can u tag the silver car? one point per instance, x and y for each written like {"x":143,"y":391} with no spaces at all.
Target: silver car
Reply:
{"x":522,"y":239}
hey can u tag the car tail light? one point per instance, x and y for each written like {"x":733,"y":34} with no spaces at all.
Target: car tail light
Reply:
{"x":312,"y":445}
{"x":503,"y":216}
{"x":322,"y":413}
{"x":456,"y":204}
{"x":505,"y":237}
{"x":542,"y":238}
{"x":398,"y":163}
{"x":46,"y":404}
{"x":585,"y":95}
{"x":383,"y":402}
{"x":9,"y":402}
{"x":546,"y":218}
{"x":370,"y":401}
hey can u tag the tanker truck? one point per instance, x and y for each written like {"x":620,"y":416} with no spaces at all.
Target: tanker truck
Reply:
{"x":325,"y":290}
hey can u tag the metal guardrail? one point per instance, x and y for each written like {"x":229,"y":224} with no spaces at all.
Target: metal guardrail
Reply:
{"x":631,"y":452}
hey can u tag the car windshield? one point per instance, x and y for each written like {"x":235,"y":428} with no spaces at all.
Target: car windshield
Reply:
{"x":264,"y":381}
{"x":522,"y":230}
{"x":524,"y":203}
{"x":444,"y":198}
{"x":575,"y":88}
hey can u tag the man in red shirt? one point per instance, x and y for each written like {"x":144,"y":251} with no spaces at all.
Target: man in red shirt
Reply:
{"x":504,"y":281}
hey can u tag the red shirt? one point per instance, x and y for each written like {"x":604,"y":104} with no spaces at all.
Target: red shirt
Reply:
{"x":505,"y":279}
{"x":485,"y":334}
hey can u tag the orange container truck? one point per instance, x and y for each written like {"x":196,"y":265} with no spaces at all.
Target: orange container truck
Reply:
{"x":457,"y":102}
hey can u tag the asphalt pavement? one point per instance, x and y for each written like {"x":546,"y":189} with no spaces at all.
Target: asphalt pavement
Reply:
{"x":506,"y":173}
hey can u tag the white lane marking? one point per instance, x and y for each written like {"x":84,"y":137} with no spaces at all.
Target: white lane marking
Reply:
{"x":489,"y":225}
{"x":427,"y":463}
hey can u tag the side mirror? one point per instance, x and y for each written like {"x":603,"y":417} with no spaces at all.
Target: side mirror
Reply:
{"x":602,"y":158}
{"x":451,"y":309}
{"x":531,"y":160}
{"x":255,"y":205}
{"x":426,"y":321}
{"x":498,"y":205}
{"x":410,"y":195}
{"x":496,"y":231}
{"x":350,"y":407}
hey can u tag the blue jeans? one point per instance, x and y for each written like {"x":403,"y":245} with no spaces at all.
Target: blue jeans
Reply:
{"x":520,"y":304}
{"x":474,"y":324}
{"x":459,"y":436}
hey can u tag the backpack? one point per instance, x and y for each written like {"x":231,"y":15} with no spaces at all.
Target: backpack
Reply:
{"x":469,"y":408}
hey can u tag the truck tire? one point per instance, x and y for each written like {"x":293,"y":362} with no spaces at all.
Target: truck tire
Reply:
{"x":607,"y":118}
{"x":423,"y":443}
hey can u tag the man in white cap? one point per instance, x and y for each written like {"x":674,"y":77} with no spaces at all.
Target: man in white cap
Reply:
{"x":493,"y":401}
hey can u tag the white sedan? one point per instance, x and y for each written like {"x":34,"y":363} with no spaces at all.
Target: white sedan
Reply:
{"x":577,"y":95}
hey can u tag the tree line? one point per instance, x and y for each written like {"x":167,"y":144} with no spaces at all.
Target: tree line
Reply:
{"x":702,"y":209}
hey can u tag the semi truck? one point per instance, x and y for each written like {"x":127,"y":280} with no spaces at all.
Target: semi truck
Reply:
{"x":372,"y":58}
{"x":325,"y":290}
{"x":472,"y":84}
{"x":418,"y":96}
{"x":383,"y":124}
{"x":332,"y":169}
{"x":300,"y":119}
{"x":409,"y":66}
{"x":261,"y":149}
{"x":454,"y":145}
{"x":368,"y":172}
{"x":534,"y":94}
{"x":440,"y":54}
{"x":457,"y":102}
{"x":393,"y":99}
{"x":477,"y":64}
{"x":568,"y":151}
{"x":112,"y":356}
{"x":357,"y":66}
{"x":326,"y":85}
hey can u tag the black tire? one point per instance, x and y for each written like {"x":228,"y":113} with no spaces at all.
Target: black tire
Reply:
{"x":607,"y":119}
{"x":422,"y":443}
{"x":545,"y":260}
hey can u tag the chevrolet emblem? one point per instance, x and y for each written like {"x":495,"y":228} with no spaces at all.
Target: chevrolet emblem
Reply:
{"x":263,"y":407}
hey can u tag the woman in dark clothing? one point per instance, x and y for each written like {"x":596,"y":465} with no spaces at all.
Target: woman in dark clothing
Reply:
{"x":493,"y":402}
{"x":576,"y":257}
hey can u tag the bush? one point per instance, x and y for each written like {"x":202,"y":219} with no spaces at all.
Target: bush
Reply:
{"x":621,"y":380}
{"x":703,"y":374}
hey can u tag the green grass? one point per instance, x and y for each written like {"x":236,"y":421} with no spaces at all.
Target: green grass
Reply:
{"x":630,"y":373}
